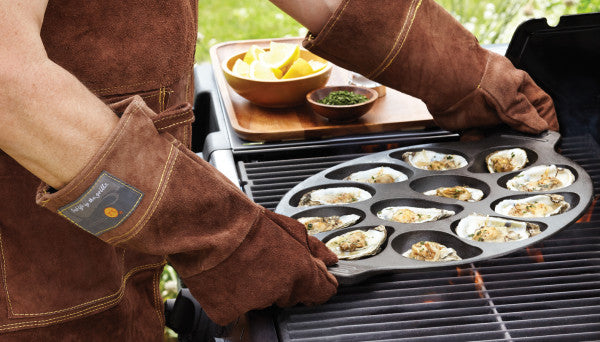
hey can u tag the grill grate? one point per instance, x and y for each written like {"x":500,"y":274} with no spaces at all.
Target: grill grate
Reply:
{"x":548,"y":292}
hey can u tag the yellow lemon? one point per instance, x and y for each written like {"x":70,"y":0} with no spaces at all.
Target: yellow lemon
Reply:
{"x":280,"y":55}
{"x":316,"y":65}
{"x":262,"y":71}
{"x":252,"y":54}
{"x":299,"y":68}
{"x":241,"y":68}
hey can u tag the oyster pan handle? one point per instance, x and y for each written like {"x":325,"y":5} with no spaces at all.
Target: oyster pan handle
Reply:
{"x":348,"y":274}
{"x":550,"y":138}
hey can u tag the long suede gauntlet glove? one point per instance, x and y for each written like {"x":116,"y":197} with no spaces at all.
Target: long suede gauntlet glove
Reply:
{"x":144,"y":190}
{"x":416,"y":47}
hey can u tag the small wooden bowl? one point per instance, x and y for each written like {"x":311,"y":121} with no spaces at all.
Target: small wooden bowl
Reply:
{"x":341,"y":113}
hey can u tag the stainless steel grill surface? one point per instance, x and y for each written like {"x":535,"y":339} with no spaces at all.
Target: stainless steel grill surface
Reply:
{"x":548,"y":292}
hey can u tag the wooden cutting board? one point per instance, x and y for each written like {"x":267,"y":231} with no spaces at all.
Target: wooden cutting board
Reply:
{"x":392,"y":112}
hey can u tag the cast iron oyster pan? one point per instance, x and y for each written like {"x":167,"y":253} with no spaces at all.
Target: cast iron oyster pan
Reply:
{"x":401,"y":236}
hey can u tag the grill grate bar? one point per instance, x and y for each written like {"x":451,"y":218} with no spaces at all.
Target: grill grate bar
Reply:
{"x":561,"y":337}
{"x":385,"y":332}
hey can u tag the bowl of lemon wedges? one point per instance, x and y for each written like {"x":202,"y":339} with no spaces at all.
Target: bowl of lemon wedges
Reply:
{"x":278,"y":76}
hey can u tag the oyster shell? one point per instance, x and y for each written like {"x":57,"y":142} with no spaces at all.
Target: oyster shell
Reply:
{"x":495,"y":229}
{"x":430,"y":160}
{"x":541,"y":178}
{"x":358,"y":243}
{"x":534,"y":206}
{"x":316,"y":225}
{"x":461,"y":193}
{"x":340,"y":195}
{"x":413,"y":214}
{"x":506,"y":160}
{"x":382,"y":174}
{"x":431,"y":251}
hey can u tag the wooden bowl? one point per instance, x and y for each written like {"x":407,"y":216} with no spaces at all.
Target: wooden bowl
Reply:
{"x":341,"y":113}
{"x":277,"y":93}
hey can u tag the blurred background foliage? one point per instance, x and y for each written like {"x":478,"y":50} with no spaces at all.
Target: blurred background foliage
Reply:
{"x":490,"y":21}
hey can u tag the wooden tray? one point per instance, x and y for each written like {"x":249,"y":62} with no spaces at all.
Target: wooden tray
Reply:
{"x":395,"y":111}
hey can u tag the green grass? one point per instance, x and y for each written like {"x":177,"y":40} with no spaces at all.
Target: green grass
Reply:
{"x":491,"y":21}
{"x":226,"y":20}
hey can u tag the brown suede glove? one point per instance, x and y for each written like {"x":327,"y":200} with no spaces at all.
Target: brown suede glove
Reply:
{"x":418,"y":48}
{"x":144,"y":190}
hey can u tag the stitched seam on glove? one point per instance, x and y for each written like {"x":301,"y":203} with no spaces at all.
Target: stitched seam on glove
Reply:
{"x":469,"y":94}
{"x":158,"y":195}
{"x":161,"y":129}
{"x":170,"y":117}
{"x":402,"y":35}
{"x":331,"y":23}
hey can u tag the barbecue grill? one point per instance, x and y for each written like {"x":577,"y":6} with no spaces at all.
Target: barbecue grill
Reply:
{"x":547,"y":292}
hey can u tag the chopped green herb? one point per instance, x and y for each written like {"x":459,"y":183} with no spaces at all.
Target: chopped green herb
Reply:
{"x":343,"y":98}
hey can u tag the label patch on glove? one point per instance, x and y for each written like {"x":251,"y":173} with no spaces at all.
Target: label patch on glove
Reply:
{"x":104,"y":206}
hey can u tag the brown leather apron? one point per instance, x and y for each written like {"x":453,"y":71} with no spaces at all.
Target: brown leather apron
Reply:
{"x":58,"y":281}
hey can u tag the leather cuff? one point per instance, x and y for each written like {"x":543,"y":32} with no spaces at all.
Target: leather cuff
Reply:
{"x":144,"y":190}
{"x":418,"y":48}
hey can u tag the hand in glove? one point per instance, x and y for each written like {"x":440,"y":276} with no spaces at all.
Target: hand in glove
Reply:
{"x":144,"y":190}
{"x":416,"y":47}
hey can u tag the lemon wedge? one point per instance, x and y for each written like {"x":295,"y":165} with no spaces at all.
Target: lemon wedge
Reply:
{"x":261,"y":71}
{"x":280,"y":55}
{"x":241,"y":68}
{"x":316,"y":65}
{"x":299,"y":68}
{"x":252,"y":54}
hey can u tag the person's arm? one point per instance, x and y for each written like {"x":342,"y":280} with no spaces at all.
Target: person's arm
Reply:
{"x":133,"y":185}
{"x":312,"y":14}
{"x":418,"y":48}
{"x":49,"y":122}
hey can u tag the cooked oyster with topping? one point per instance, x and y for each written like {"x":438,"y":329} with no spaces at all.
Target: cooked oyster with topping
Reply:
{"x":461,"y":193}
{"x":431,"y":251}
{"x":413,"y":214}
{"x":316,"y":225}
{"x":495,"y":229}
{"x":342,"y":195}
{"x":430,"y":160}
{"x":506,"y":160}
{"x":358,"y":243}
{"x":541,"y":178}
{"x":534,"y":206}
{"x":382,"y":174}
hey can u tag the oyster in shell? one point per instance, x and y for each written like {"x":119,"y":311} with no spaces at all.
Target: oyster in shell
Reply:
{"x":413,"y":214}
{"x":430,"y":160}
{"x":358,"y":243}
{"x":506,"y":160}
{"x":461,"y":193}
{"x":431,"y":251}
{"x":382,"y":174}
{"x":541,"y":178}
{"x":495,"y":229}
{"x":534,"y":206}
{"x":340,"y":195}
{"x":316,"y":225}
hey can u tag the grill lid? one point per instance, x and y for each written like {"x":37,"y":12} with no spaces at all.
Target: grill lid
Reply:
{"x":563,"y":60}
